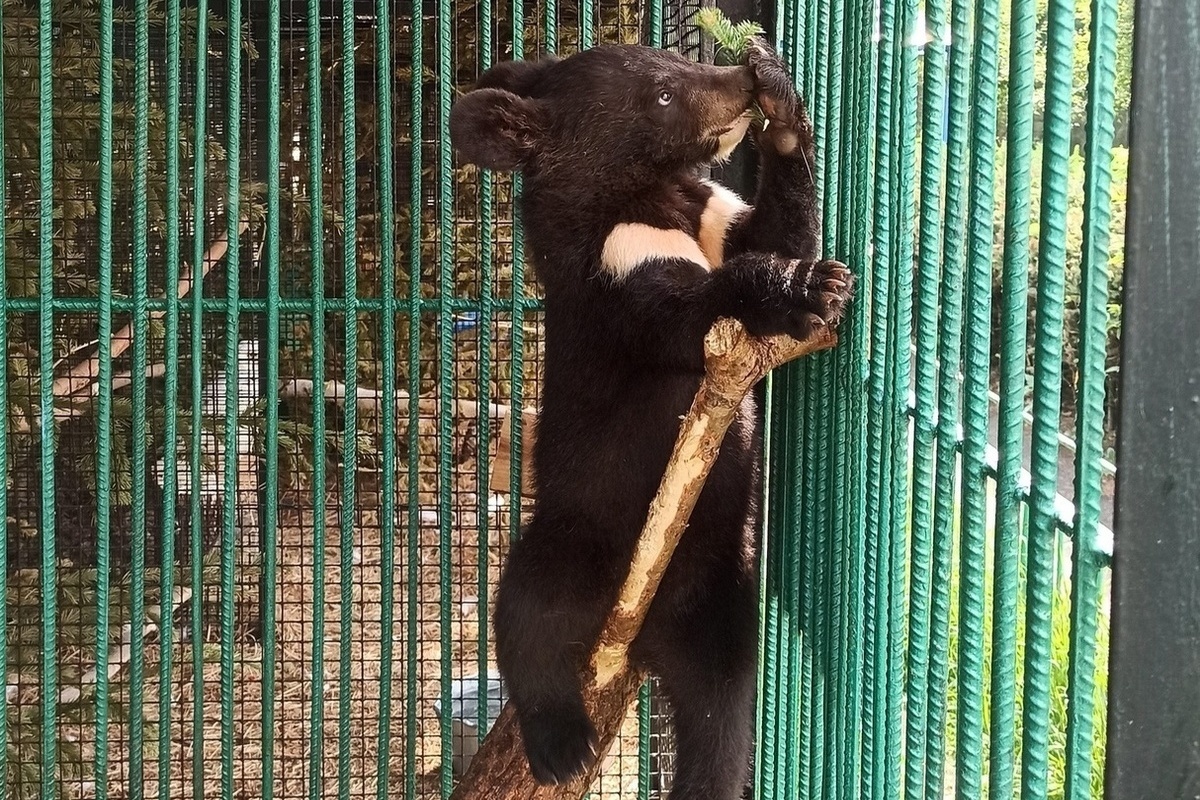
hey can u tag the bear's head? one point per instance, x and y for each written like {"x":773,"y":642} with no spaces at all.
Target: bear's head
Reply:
{"x":624,"y":112}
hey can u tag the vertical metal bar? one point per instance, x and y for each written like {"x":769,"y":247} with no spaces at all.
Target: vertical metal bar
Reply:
{"x":487,"y":304}
{"x":829,"y":493}
{"x":413,"y":548}
{"x":656,"y":22}
{"x":796,"y":706}
{"x":196,"y":526}
{"x":863,"y":111}
{"x":1014,"y":318}
{"x":949,"y":357}
{"x":1047,"y":388}
{"x":1089,"y":426}
{"x":233,"y":151}
{"x":49,"y":582}
{"x":4,"y":431}
{"x":643,"y":712}
{"x":446,"y":388}
{"x":550,"y":25}
{"x":811,"y":488}
{"x":170,"y":491}
{"x":808,"y":600}
{"x":929,"y":254}
{"x":1154,"y":740}
{"x":587,"y":23}
{"x":878,"y":476}
{"x":349,"y":493}
{"x":384,"y":72}
{"x":104,"y":400}
{"x":141,"y":333}
{"x":317,"y":250}
{"x":976,"y":349}
{"x":902,"y":309}
{"x":270,"y":505}
{"x":767,"y":623}
{"x":517,"y":345}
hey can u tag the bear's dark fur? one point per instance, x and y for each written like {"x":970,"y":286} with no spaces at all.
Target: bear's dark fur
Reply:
{"x":638,"y":256}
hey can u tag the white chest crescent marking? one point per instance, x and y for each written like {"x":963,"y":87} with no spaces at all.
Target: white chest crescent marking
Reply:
{"x":631,"y":244}
{"x":723,"y":209}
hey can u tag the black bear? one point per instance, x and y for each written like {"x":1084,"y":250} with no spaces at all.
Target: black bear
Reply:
{"x":638,"y":255}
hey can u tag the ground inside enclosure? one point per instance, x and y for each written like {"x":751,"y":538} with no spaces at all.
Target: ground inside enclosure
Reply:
{"x":447,"y":587}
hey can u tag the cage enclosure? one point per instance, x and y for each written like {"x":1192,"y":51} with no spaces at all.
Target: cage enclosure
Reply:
{"x":273,"y":368}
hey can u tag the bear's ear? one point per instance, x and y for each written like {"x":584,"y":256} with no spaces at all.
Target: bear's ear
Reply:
{"x":518,"y":77}
{"x":495,"y":129}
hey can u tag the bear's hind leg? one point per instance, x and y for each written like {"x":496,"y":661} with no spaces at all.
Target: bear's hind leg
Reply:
{"x":707,"y":666}
{"x":553,"y":597}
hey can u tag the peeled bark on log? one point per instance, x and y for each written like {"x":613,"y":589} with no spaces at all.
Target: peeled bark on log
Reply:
{"x":734,"y":363}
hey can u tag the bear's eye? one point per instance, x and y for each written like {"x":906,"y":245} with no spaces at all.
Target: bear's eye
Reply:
{"x":665,"y":97}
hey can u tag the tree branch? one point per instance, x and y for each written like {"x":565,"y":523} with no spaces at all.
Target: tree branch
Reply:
{"x":80,"y":377}
{"x":734,"y":363}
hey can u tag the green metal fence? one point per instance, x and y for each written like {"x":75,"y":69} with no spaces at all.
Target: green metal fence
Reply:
{"x":258,"y":495}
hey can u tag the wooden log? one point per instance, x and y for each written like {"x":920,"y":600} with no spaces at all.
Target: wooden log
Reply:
{"x":734,"y":363}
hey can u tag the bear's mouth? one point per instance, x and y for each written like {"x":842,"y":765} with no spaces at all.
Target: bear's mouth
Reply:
{"x":728,"y":137}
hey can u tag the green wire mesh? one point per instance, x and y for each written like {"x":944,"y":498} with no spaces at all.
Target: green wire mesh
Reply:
{"x":236,"y":566}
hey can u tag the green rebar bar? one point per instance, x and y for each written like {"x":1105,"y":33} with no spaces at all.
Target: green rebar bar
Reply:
{"x":855,"y":345}
{"x":233,"y":149}
{"x":199,"y":159}
{"x":878,"y":474}
{"x":1047,"y":387}
{"x":413,"y":554}
{"x":976,"y":349}
{"x":928,"y":296}
{"x":4,"y":439}
{"x":166,"y":603}
{"x":483,"y":418}
{"x":1013,"y":317}
{"x":800,"y":657}
{"x":387,"y":263}
{"x":587,"y":23}
{"x":950,"y":322}
{"x":104,"y":209}
{"x":902,"y":309}
{"x":445,"y":371}
{"x":768,"y":598}
{"x":812,"y":486}
{"x":316,"y":751}
{"x":141,"y":333}
{"x":643,"y":712}
{"x":1089,"y":425}
{"x":270,"y":512}
{"x":254,"y":305}
{"x":348,"y":488}
{"x":49,"y":582}
{"x":517,"y":337}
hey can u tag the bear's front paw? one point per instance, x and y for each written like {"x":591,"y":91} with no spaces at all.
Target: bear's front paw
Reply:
{"x":559,"y":744}
{"x":820,"y":293}
{"x":788,"y":130}
{"x":814,"y":296}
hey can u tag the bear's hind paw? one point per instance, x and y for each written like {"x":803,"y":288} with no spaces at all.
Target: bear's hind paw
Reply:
{"x":559,"y":745}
